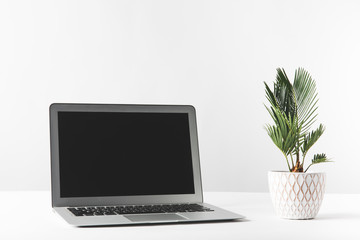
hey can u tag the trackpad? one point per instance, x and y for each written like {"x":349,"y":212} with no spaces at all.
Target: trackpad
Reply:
{"x":155,"y":217}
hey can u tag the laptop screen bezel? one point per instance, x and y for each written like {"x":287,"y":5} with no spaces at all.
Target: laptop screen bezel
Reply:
{"x":58,"y":201}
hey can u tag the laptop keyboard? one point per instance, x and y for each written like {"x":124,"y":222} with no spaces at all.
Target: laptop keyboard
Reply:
{"x":137,"y":209}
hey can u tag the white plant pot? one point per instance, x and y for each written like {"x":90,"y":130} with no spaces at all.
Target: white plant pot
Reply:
{"x":296,"y":195}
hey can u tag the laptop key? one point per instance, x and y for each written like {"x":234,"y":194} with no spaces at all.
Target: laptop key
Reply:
{"x":76,"y":212}
{"x":110,"y":213}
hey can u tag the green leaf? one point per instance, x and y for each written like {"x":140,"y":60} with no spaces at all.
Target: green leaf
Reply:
{"x":311,"y":138}
{"x":270,"y":96}
{"x":319,"y":158}
{"x":283,"y":133}
{"x":306,"y":98}
{"x":283,"y":93}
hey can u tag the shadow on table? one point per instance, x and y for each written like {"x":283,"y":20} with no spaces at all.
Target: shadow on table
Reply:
{"x":169,"y":223}
{"x":337,"y":216}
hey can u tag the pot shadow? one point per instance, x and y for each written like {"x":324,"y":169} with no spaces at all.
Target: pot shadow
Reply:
{"x":338,"y":216}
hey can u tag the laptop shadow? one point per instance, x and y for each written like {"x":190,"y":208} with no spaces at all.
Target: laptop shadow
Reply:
{"x":166,"y":223}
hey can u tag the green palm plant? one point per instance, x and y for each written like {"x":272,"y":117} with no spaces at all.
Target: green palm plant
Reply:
{"x":293,"y":109}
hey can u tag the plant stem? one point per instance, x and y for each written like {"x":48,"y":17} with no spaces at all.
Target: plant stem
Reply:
{"x":292,"y":160}
{"x":298,"y":167}
{"x":287,"y":161}
{"x":308,"y":168}
{"x":303,"y":160}
{"x":297,"y":157}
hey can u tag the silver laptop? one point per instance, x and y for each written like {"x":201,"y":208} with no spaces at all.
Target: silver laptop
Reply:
{"x":127,"y":164}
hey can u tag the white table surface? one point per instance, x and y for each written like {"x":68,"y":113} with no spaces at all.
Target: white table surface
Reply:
{"x":28,"y":215}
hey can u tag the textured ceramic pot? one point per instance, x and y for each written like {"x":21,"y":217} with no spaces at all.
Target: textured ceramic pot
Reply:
{"x":296,"y":195}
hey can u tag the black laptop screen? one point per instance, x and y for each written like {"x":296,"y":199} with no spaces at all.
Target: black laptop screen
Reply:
{"x":124,"y":154}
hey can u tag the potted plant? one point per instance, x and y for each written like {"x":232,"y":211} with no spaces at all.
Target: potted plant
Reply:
{"x":296,"y":193}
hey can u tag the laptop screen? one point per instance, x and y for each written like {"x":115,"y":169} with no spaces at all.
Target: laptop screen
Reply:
{"x":124,"y":154}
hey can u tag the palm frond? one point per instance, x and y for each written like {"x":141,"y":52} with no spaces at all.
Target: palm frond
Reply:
{"x":311,"y":138}
{"x":306,"y":98}
{"x":275,"y":135}
{"x":283,"y":93}
{"x":270,"y":96}
{"x":318,"y":158}
{"x":285,"y":144}
{"x":283,"y":133}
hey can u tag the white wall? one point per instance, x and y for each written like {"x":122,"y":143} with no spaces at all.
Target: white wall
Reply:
{"x":212,"y":54}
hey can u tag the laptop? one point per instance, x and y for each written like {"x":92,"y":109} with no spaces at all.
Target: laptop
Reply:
{"x":115,"y":164}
